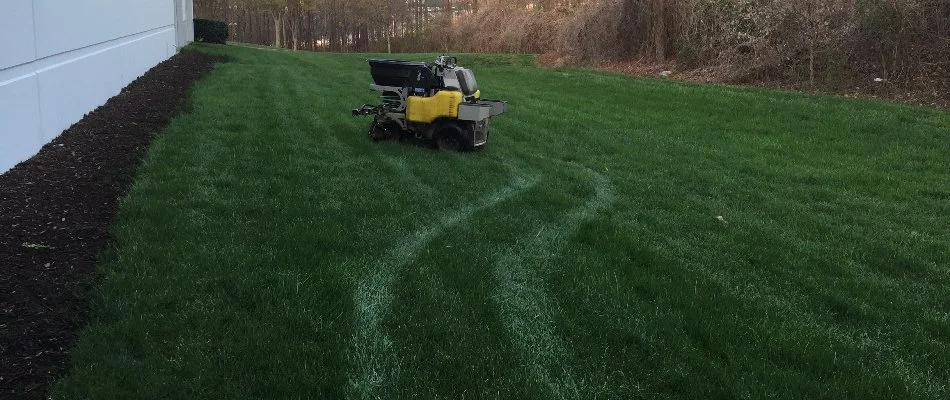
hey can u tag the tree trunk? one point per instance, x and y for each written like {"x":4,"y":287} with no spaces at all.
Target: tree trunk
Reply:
{"x":447,"y":9}
{"x":283,"y":31}
{"x":389,"y":34}
{"x":811,"y":63}
{"x":659,"y":29}
{"x":294,"y":28}
{"x":449,"y":22}
{"x":626,"y":39}
{"x":277,"y":29}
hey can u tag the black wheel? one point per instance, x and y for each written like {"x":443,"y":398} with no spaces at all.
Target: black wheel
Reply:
{"x":450,"y":137}
{"x":379,"y":132}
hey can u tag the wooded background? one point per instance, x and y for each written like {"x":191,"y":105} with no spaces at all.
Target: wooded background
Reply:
{"x":811,"y":42}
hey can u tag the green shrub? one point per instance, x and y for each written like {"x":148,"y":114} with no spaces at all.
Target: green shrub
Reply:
{"x":211,"y":31}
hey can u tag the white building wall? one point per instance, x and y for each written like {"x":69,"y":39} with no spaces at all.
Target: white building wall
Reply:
{"x":61,"y":59}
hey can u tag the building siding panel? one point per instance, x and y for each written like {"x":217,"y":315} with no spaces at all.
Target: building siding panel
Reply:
{"x":86,"y":52}
{"x":16,"y":33}
{"x":20,"y":115}
{"x":67,"y":25}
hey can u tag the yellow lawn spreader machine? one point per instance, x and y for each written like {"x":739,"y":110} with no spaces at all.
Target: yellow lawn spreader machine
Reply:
{"x":439,"y":102}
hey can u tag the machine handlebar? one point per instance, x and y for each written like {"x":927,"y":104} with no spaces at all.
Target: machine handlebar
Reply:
{"x":446,"y":62}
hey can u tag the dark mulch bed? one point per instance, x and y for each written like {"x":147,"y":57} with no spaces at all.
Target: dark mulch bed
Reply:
{"x":55,"y":213}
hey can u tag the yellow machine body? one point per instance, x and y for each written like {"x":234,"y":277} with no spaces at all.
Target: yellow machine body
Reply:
{"x":424,"y":110}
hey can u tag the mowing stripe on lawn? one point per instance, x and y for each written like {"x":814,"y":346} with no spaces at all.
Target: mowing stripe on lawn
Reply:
{"x":526,"y":309}
{"x":371,"y":350}
{"x":920,"y":382}
{"x":403,"y":171}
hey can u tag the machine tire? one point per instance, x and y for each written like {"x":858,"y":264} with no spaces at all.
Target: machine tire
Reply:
{"x":450,"y":137}
{"x":378,"y":132}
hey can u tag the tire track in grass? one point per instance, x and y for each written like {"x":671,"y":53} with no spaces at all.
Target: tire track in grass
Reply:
{"x":371,"y":351}
{"x":405,"y":173}
{"x":527,"y":312}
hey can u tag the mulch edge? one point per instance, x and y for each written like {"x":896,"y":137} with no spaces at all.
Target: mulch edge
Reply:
{"x":57,"y":210}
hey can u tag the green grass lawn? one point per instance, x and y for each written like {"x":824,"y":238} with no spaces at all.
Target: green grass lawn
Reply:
{"x":269,"y":249}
